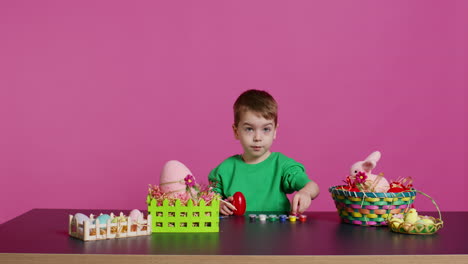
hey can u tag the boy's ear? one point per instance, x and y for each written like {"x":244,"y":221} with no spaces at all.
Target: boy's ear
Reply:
{"x":236,"y":133}
{"x":276,"y":129}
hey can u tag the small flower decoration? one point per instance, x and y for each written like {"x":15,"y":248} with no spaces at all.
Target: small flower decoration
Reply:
{"x":361,"y":177}
{"x":189,"y":180}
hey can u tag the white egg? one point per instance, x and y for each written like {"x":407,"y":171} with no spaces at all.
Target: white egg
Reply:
{"x":136,"y":216}
{"x":80,"y":218}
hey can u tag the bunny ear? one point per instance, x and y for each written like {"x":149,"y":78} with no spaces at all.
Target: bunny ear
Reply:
{"x":368,"y":165}
{"x":374,"y":156}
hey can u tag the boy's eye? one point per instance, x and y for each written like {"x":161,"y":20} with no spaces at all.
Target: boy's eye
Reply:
{"x":248,"y":129}
{"x":267,"y":129}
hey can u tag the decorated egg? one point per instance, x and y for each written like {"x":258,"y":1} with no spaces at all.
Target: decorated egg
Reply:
{"x":396,"y":222}
{"x":425,"y":221}
{"x":136,"y":216}
{"x":119,"y":219}
{"x":80,"y":218}
{"x":103,"y":218}
{"x":172,"y":180}
{"x":240,"y":203}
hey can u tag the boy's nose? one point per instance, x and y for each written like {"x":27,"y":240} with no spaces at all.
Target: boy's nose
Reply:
{"x":257,"y":136}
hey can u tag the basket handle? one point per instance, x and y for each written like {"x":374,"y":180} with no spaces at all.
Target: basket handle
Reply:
{"x":432,"y":200}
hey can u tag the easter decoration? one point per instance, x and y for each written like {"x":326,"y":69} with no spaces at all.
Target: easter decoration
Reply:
{"x":240,"y":203}
{"x":108,"y":226}
{"x":362,"y":179}
{"x":179,"y":204}
{"x":410,"y":222}
{"x":369,"y":199}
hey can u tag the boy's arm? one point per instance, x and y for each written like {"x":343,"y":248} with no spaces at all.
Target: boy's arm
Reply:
{"x":215,"y":180}
{"x":303,"y":198}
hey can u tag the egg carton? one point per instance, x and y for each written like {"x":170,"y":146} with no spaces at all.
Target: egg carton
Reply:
{"x":94,"y":230}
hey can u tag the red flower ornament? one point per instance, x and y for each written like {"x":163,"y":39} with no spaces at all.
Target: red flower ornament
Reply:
{"x":189,"y":180}
{"x":361,"y":177}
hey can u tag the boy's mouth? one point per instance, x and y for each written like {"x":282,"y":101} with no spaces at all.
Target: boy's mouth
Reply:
{"x":256,"y":148}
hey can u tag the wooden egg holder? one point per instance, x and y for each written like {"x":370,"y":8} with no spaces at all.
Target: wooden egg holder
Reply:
{"x":87,"y":231}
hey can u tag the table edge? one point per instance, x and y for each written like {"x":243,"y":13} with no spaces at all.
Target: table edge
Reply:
{"x":227,"y":259}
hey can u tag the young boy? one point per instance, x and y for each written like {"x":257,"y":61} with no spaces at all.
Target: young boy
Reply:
{"x":264,"y":177}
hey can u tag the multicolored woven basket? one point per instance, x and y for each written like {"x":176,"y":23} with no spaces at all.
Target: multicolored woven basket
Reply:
{"x":369,"y":208}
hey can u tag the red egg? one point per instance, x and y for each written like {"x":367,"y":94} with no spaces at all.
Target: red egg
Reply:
{"x":395,"y":189}
{"x":240,"y":203}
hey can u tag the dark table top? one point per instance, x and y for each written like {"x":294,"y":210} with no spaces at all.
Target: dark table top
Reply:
{"x":46,"y":231}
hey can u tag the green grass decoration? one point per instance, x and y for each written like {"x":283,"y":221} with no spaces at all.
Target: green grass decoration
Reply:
{"x":184,"y":219}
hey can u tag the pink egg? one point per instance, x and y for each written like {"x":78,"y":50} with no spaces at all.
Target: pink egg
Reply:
{"x":135,"y":215}
{"x":172,"y":177}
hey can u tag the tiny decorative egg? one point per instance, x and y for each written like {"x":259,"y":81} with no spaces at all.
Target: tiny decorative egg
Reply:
{"x":119,"y":218}
{"x":426,"y":221}
{"x":419,"y":222}
{"x":396,"y":222}
{"x":400,"y":216}
{"x":103,"y":220}
{"x":406,"y":226}
{"x":136,"y":216}
{"x":80,"y":218}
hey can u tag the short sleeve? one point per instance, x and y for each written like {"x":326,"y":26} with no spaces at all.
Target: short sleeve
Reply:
{"x":294,"y":178}
{"x":215,"y":180}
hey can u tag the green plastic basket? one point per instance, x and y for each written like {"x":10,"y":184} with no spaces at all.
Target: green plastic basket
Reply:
{"x":179,"y":218}
{"x":370,"y":208}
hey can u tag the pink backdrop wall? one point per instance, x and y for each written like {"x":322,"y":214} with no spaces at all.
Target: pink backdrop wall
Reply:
{"x":96,"y":95}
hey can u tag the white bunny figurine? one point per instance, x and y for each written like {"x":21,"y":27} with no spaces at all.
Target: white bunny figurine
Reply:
{"x":375,"y":183}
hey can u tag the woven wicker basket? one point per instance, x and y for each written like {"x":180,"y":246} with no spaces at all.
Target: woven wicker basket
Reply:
{"x":418,"y":228}
{"x":370,"y":208}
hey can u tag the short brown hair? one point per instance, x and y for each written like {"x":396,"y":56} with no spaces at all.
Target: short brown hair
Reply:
{"x":256,"y":101}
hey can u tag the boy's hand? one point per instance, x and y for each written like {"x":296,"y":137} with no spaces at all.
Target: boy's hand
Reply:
{"x":301,"y":202}
{"x":227,"y":208}
{"x":304,"y":197}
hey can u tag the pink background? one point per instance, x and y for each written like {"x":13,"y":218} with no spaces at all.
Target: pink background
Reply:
{"x":96,"y":95}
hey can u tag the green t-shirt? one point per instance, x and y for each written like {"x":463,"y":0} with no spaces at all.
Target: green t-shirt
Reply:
{"x":264,"y":184}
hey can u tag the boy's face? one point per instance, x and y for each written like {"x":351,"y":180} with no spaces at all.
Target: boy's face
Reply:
{"x":256,"y":135}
